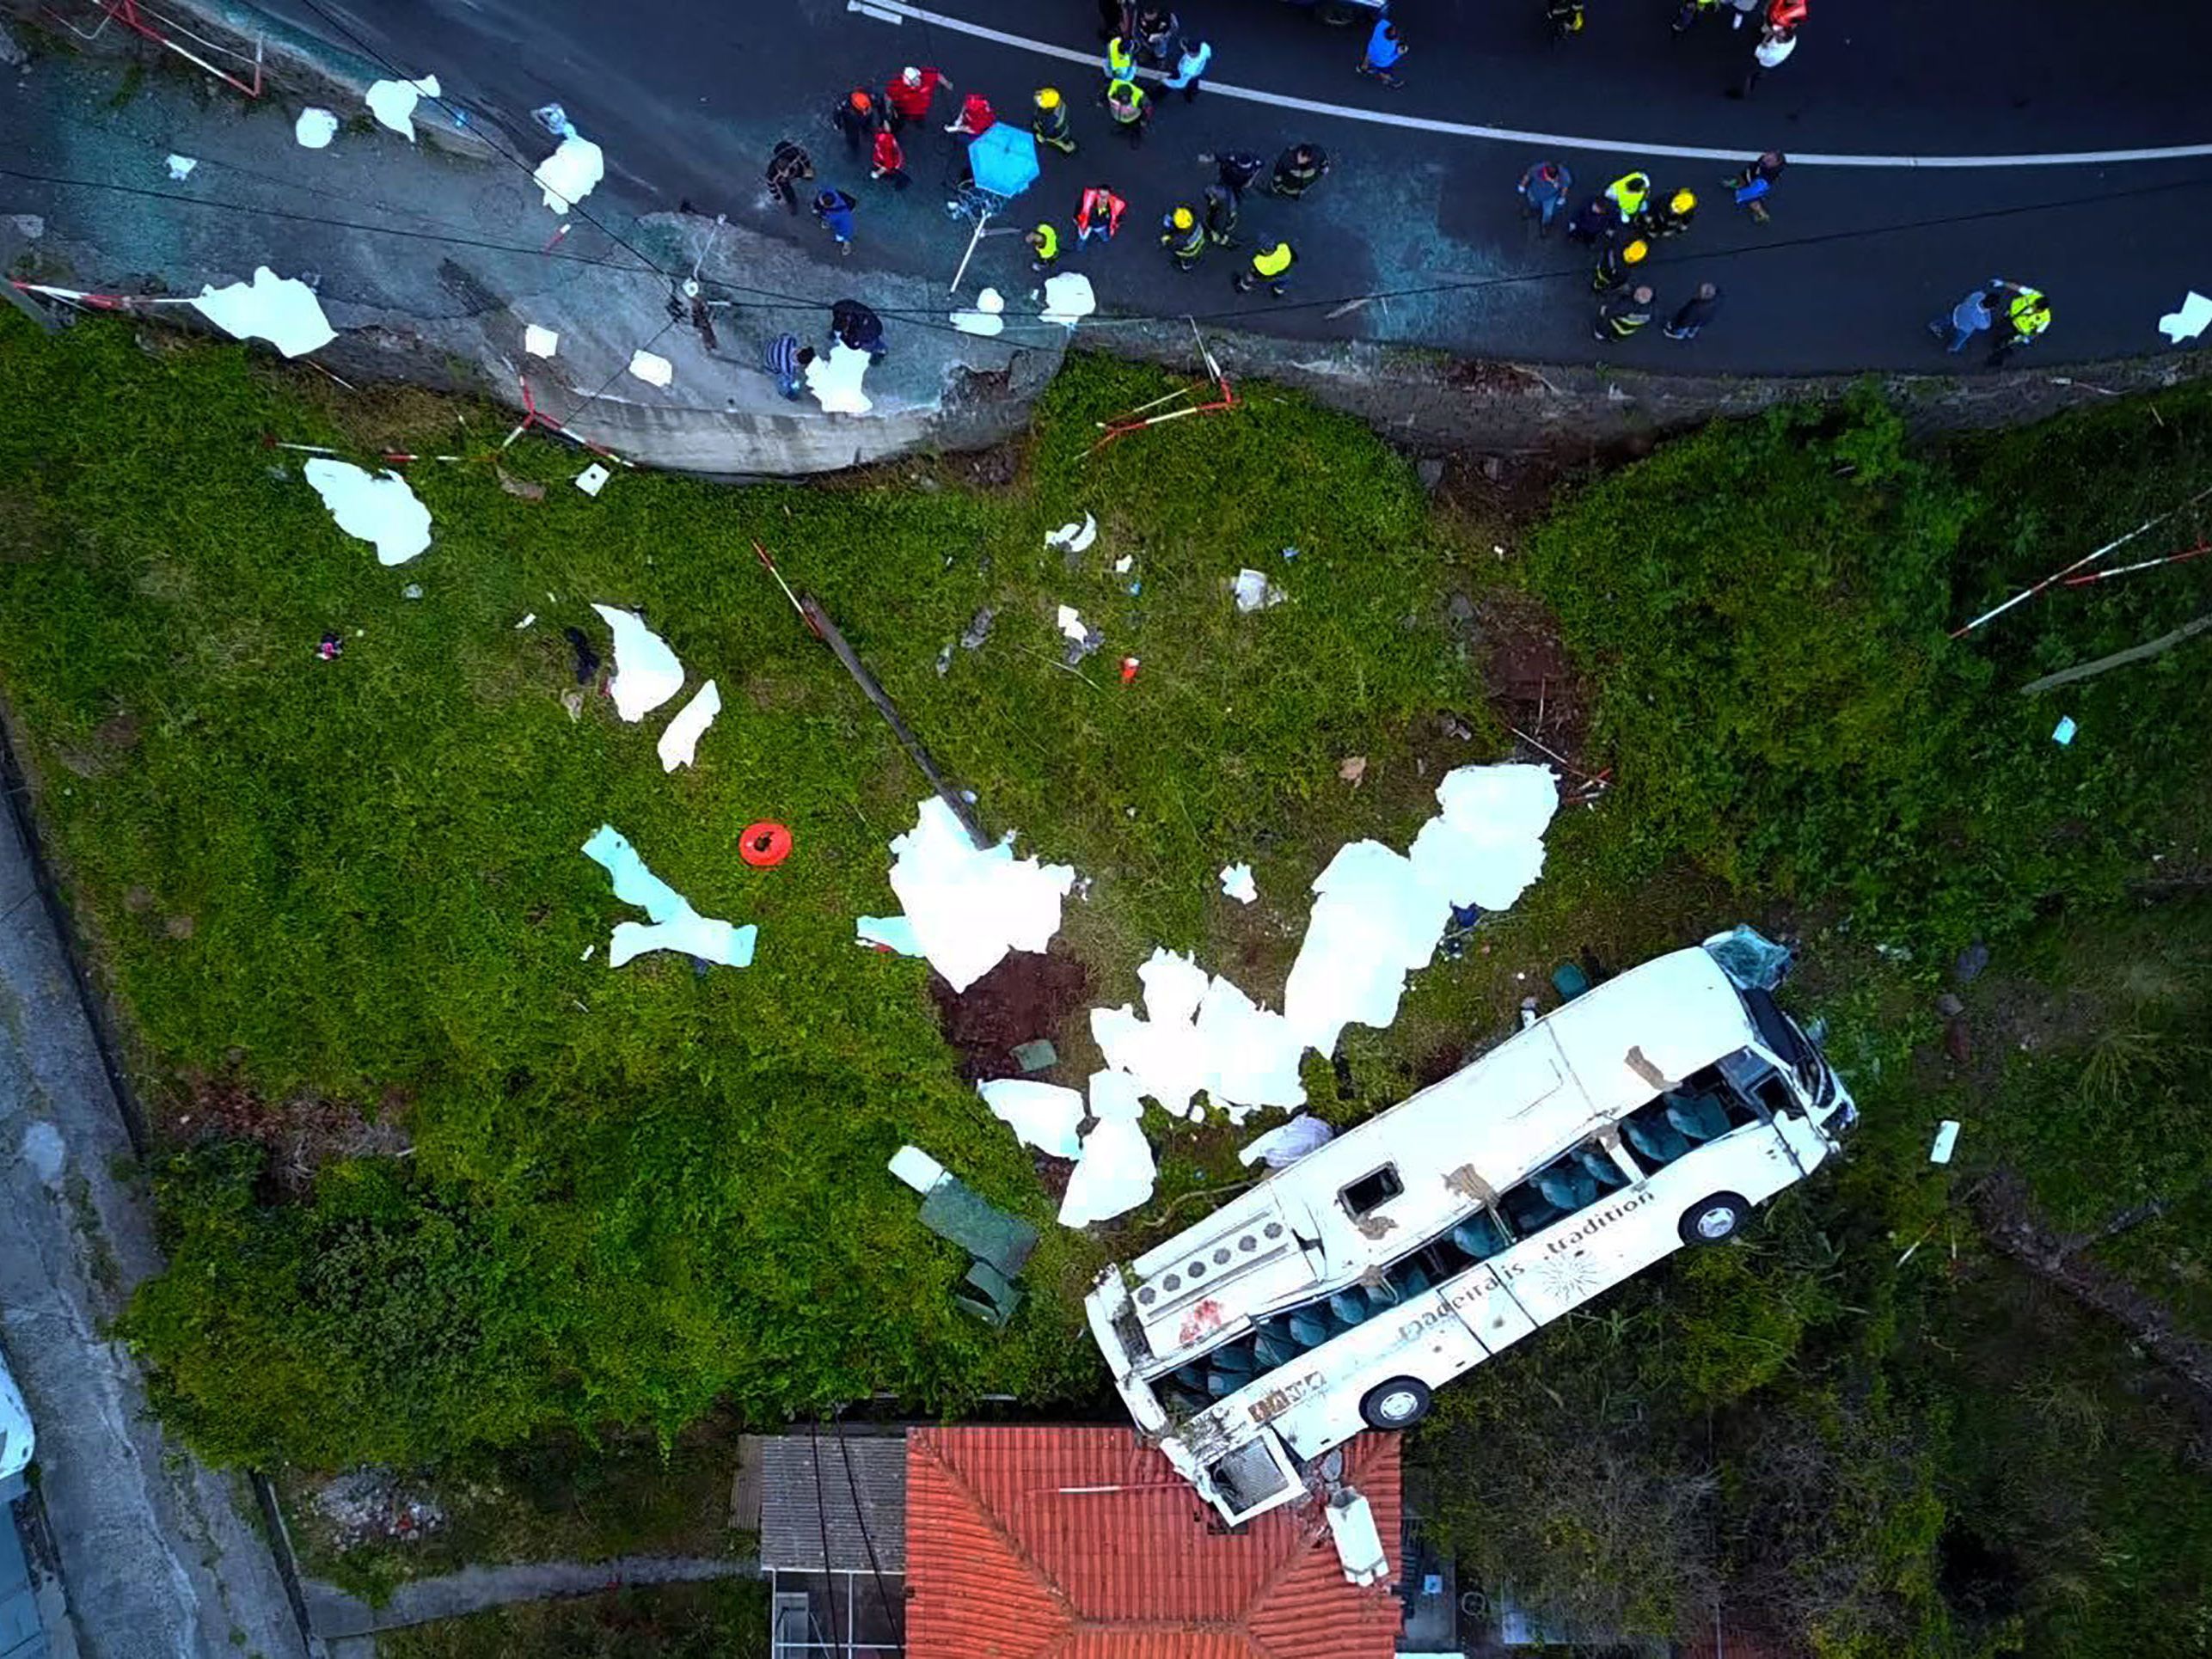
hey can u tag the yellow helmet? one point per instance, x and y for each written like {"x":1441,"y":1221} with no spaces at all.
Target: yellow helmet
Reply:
{"x":1682,"y":201}
{"x":1048,"y":97}
{"x":1635,"y":252}
{"x":1183,"y":219}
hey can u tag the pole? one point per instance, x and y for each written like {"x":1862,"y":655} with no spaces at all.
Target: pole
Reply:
{"x":982,"y":220}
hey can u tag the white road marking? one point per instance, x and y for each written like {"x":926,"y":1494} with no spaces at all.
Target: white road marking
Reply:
{"x":1543,"y":140}
{"x":881,"y":14}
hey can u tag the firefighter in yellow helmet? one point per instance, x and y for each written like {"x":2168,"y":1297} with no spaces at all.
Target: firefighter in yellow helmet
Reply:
{"x":1628,"y":193}
{"x":1270,"y":265}
{"x":1049,"y":123}
{"x":1671,"y":218}
{"x":1181,"y":235}
{"x":1617,"y":262}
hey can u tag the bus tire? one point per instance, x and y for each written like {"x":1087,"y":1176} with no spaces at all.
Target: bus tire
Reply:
{"x":1398,"y":1404}
{"x":1715,"y":1220}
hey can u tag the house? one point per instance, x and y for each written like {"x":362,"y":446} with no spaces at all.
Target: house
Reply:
{"x":1055,"y":1542}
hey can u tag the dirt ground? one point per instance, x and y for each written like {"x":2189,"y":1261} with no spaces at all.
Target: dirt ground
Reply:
{"x":1026,"y":997}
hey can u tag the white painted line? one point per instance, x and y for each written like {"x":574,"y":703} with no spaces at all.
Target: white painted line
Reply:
{"x":1541,"y":140}
{"x":881,"y":14}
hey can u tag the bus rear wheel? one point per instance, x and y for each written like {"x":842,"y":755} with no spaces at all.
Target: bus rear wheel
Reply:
{"x":1715,"y":1220}
{"x":1398,"y":1404}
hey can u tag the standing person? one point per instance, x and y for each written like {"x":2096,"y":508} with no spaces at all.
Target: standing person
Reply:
{"x":1628,"y":193}
{"x":1114,"y":18}
{"x":1624,"y":313}
{"x":1564,"y":16}
{"x":1786,"y":13}
{"x":888,"y":161}
{"x":1298,"y":169}
{"x":857,"y":117}
{"x":1543,"y":192}
{"x":834,"y":208}
{"x":1970,"y":317}
{"x":1695,"y":313}
{"x":1386,"y":50}
{"x":1044,"y":244}
{"x":1671,"y":218}
{"x":785,"y":360}
{"x":1270,"y":265}
{"x":1183,"y":236}
{"x":1156,"y":29}
{"x":1756,"y":182}
{"x":1773,"y":50}
{"x":1099,"y":215}
{"x":788,"y":165}
{"x":1130,"y":106}
{"x":1687,"y":15}
{"x":1120,"y":59}
{"x":1596,"y":217}
{"x":2022,"y":315}
{"x":976,"y":116}
{"x":1222,"y":207}
{"x":910,"y":95}
{"x":853,"y":324}
{"x":1617,"y":261}
{"x":1049,"y":123}
{"x":1192,"y":62}
{"x":1238,"y":169}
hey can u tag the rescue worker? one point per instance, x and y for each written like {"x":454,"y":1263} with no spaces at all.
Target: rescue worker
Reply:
{"x":1270,"y":265}
{"x":1565,"y":17}
{"x":1195,"y":58}
{"x":1099,"y":215}
{"x":852,"y":323}
{"x":1044,"y":247}
{"x":1238,"y":169}
{"x":911,"y":94}
{"x":888,"y":159}
{"x":1182,"y":236}
{"x":1786,"y":13}
{"x":1617,"y":262}
{"x":788,"y":163}
{"x":976,"y":116}
{"x":1130,"y":106}
{"x":857,"y":117}
{"x":1543,"y":192}
{"x":1221,"y":216}
{"x":1595,"y":218}
{"x":1671,"y":218}
{"x":1155,"y":37}
{"x":1624,"y":313}
{"x":1298,"y":169}
{"x":1120,"y":59}
{"x":1049,"y":123}
{"x":2022,"y":315}
{"x":1628,"y":193}
{"x":1690,"y":11}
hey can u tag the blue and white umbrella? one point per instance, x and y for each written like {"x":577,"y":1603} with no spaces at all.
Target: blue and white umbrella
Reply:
{"x":1001,"y":164}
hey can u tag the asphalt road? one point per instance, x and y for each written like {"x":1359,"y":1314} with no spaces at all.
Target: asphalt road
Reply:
{"x":688,"y":100}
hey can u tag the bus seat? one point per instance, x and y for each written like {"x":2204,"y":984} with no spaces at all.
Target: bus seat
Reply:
{"x":1699,"y":1117}
{"x":1272,"y":1347}
{"x":1565,"y":1187}
{"x":1348,"y":1309}
{"x":1527,"y":1209}
{"x":1479,"y":1236}
{"x":1600,"y":1168}
{"x":1410,"y":1282}
{"x":1655,"y":1140}
{"x":1308,"y":1329}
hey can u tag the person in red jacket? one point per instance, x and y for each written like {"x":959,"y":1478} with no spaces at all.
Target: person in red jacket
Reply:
{"x":911,"y":92}
{"x":1786,"y":13}
{"x":976,"y":116}
{"x":888,"y":161}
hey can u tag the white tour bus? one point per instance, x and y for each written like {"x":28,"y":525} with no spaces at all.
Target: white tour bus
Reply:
{"x":1651,"y":1111}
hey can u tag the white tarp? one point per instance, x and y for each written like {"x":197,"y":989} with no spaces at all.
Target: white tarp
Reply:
{"x":647,"y":673}
{"x":1200,"y":1033}
{"x":1237,"y":883}
{"x":987,"y":318}
{"x":652,"y":368}
{"x":283,"y":310}
{"x":17,"y":1440}
{"x":374,"y":507}
{"x":1073,"y":537}
{"x":314,"y":129}
{"x":969,"y":908}
{"x":571,"y":173}
{"x":894,"y":934}
{"x":1041,"y":1115}
{"x":1378,"y":915}
{"x":1114,"y":1175}
{"x":681,"y":740}
{"x":540,"y":341}
{"x":677,"y":926}
{"x":835,"y":379}
{"x":392,"y":102}
{"x":1286,"y":1143}
{"x":1068,"y":298}
{"x":2189,"y":322}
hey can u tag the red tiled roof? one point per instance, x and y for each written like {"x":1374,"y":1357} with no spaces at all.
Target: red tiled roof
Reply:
{"x":1050,"y":1543}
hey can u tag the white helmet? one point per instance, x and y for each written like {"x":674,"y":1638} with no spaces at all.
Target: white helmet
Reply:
{"x":911,"y":76}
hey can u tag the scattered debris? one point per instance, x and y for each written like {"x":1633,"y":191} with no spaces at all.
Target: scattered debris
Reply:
{"x":1352,"y":768}
{"x":2062,"y":733}
{"x":1946,"y":1140}
{"x":528,"y":489}
{"x":412,"y":591}
{"x":1285,"y":1144}
{"x":835,"y":378}
{"x":1116,"y":1172}
{"x":571,"y":173}
{"x":764,"y":845}
{"x":392,"y":102}
{"x":283,"y":310}
{"x":969,"y":907}
{"x":1041,"y":1115}
{"x":2191,"y":320}
{"x":977,"y":630}
{"x":1001,"y":1245}
{"x":652,"y":368}
{"x":592,"y":478}
{"x":681,"y":738}
{"x":1029,"y":997}
{"x":574,"y":702}
{"x":1072,"y":625}
{"x":677,"y":926}
{"x":1237,"y":883}
{"x":1073,"y":537}
{"x":181,"y":167}
{"x":380,"y":509}
{"x":1200,"y":1034}
{"x":540,"y":341}
{"x":1068,"y":298}
{"x":987,"y":318}
{"x":1359,"y":1545}
{"x":1038,"y":1055}
{"x":1254,"y":591}
{"x":329,"y":648}
{"x":1129,"y":667}
{"x":1971,"y":963}
{"x":1121,"y":565}
{"x":586,"y":659}
{"x":646,"y":672}
{"x":527,"y":619}
{"x":1378,"y":915}
{"x":367,"y":1506}
{"x":314,"y":129}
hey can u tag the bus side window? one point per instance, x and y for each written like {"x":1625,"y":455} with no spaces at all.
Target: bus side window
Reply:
{"x":1370,"y":1192}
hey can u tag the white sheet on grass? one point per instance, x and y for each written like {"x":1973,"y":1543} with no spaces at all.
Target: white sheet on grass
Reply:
{"x":1115,"y":1173}
{"x":680,"y":739}
{"x":314,"y":129}
{"x":2192,"y":318}
{"x":1378,"y":915}
{"x":835,"y":379}
{"x":571,"y":173}
{"x":1200,"y":1033}
{"x":676,"y":925}
{"x":1237,"y":883}
{"x":969,"y":908}
{"x":1041,"y":1115}
{"x":1068,"y":298}
{"x":1286,"y":1143}
{"x":646,"y":672}
{"x":392,"y":102}
{"x":376,"y":507}
{"x":283,"y":310}
{"x":888,"y":933}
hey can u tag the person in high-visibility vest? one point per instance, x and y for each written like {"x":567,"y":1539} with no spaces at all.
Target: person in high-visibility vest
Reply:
{"x":1130,"y":106}
{"x":1050,"y":124}
{"x":1270,"y":265}
{"x":1671,"y":218}
{"x":1181,"y":235}
{"x":1044,"y":246}
{"x":1628,"y":193}
{"x":1617,"y":262}
{"x":1100,"y":215}
{"x":1120,"y":59}
{"x":2022,"y":314}
{"x":1624,"y":313}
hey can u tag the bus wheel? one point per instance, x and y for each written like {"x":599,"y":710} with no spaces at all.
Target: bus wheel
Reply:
{"x":1716,"y":1220}
{"x":1398,"y":1404}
